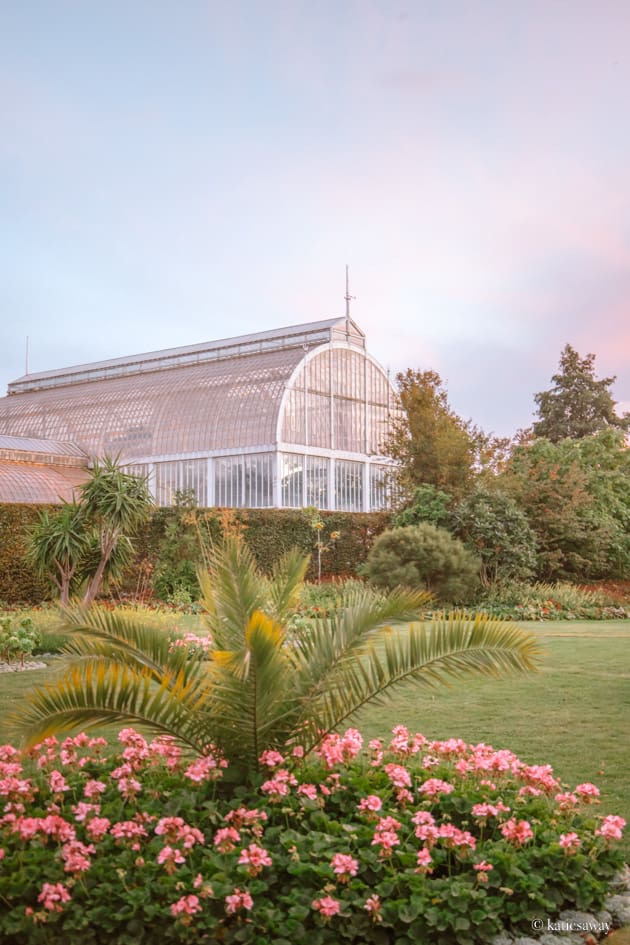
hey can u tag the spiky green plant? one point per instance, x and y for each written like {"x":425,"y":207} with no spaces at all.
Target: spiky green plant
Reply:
{"x":262,"y":685}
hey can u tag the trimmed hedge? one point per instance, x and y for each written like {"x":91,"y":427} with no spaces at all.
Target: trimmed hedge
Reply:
{"x":18,"y":580}
{"x":268,"y":532}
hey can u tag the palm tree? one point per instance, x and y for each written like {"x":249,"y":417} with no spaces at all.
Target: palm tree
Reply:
{"x":58,"y":544}
{"x":115,"y":503}
{"x":264,"y":685}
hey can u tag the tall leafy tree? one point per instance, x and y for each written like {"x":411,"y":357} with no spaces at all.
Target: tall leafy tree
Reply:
{"x":491,"y":524}
{"x":115,"y":503}
{"x":58,"y":545}
{"x":263,"y":684}
{"x":578,"y":404}
{"x":431,"y":443}
{"x":576,"y":496}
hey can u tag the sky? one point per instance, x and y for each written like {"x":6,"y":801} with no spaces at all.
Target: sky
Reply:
{"x":179,"y":171}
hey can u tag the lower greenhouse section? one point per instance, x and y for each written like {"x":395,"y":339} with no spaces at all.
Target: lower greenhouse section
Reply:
{"x":271,"y":480}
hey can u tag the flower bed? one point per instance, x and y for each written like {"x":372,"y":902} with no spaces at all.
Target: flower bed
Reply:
{"x":413,"y":842}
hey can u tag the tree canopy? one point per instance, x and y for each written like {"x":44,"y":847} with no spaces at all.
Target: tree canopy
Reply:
{"x":431,"y":443}
{"x":578,"y":404}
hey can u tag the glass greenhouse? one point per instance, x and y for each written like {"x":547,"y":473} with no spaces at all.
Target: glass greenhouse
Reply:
{"x":291,"y":418}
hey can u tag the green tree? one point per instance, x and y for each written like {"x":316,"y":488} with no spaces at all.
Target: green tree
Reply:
{"x":576,"y":496}
{"x":427,"y":505}
{"x":430,"y":442}
{"x":578,"y":404}
{"x":115,"y":504}
{"x":262,"y":685}
{"x":58,"y":544}
{"x":491,"y":524}
{"x":423,"y":556}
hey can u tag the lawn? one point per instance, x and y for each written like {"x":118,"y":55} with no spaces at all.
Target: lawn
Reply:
{"x":574,"y":714}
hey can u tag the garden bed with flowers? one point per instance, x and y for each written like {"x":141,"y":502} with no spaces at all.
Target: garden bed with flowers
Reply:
{"x":416,"y":841}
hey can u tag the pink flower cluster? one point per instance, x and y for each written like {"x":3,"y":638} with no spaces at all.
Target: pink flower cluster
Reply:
{"x":611,"y":828}
{"x":327,"y":906}
{"x":344,"y":867}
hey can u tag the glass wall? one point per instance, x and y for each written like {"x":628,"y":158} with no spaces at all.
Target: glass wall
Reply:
{"x":244,"y":481}
{"x":181,"y":475}
{"x":304,"y":481}
{"x":339,"y":400}
{"x":349,"y":486}
{"x":381,"y":478}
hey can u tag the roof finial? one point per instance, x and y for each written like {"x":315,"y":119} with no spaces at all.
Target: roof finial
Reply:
{"x":348,"y":299}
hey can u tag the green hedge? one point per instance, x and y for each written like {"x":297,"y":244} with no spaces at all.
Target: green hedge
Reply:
{"x":268,"y":532}
{"x":18,"y":580}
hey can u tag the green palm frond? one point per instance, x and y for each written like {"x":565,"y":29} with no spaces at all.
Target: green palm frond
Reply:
{"x":428,"y":654}
{"x":263,"y":684}
{"x":93,"y":631}
{"x":251,"y":691}
{"x":99,"y":691}
{"x":231,"y":591}
{"x":344,"y":636}
{"x":286,"y":583}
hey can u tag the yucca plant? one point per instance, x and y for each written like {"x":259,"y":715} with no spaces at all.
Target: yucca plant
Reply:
{"x":263,"y":685}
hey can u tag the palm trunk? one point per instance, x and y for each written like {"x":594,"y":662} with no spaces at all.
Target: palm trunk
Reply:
{"x":94,"y":585}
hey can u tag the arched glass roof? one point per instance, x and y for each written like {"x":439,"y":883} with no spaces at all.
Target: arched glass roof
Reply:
{"x":202,"y":399}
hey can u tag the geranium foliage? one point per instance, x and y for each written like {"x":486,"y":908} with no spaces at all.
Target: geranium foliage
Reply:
{"x":415,"y":841}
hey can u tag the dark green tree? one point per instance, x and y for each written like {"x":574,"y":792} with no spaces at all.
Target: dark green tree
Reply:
{"x":423,"y":556}
{"x":427,"y":505}
{"x":578,"y":404}
{"x":491,"y":524}
{"x":430,"y":442}
{"x":576,"y":496}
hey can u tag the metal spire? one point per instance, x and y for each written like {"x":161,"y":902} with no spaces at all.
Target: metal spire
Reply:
{"x":348,"y":299}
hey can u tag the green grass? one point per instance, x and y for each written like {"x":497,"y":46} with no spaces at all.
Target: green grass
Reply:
{"x":574,"y":714}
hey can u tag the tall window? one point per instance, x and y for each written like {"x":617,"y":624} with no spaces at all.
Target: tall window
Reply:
{"x":348,"y":486}
{"x":244,"y":481}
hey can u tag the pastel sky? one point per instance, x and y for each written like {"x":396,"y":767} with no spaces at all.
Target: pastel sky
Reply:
{"x":177,"y":171}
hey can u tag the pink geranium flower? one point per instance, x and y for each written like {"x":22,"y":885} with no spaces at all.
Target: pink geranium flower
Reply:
{"x":327,"y":906}
{"x":434,"y":786}
{"x":373,"y":907}
{"x":186,"y":906}
{"x":570,"y":842}
{"x":344,"y":867}
{"x":53,"y":896}
{"x":398,"y":775}
{"x":424,"y":861}
{"x":226,"y":838}
{"x":238,"y":900}
{"x":170,"y":858}
{"x":254,"y":858}
{"x":611,"y":828}
{"x":587,"y":791}
{"x":517,"y":831}
{"x":371,"y":804}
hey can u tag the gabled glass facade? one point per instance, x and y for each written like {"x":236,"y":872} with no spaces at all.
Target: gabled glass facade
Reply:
{"x":294,"y":417}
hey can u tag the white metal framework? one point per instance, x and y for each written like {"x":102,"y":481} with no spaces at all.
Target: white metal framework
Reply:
{"x":293,"y":417}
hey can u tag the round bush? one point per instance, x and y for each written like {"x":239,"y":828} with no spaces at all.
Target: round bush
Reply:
{"x":424,"y":556}
{"x":418,"y":842}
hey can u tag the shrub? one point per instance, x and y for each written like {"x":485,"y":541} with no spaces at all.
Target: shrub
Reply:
{"x":423,"y":556}
{"x":421,"y":843}
{"x":18,"y":639}
{"x":541,"y":601}
{"x":491,"y":524}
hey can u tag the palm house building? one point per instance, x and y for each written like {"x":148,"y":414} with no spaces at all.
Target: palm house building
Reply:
{"x":288,"y":418}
